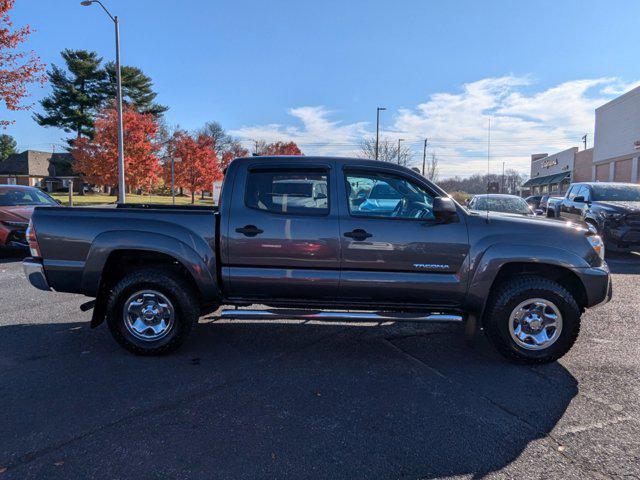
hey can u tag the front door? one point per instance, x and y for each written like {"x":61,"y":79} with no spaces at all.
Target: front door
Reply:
{"x":570,"y":209}
{"x":394,"y":251}
{"x":282,"y":234}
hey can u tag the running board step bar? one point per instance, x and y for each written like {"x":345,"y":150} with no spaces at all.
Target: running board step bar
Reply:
{"x":280,"y":314}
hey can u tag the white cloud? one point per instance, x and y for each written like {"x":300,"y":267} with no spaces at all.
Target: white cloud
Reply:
{"x":523,"y":121}
{"x":317,"y":135}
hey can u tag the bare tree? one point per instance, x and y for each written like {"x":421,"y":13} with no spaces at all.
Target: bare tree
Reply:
{"x":477,"y":183}
{"x":387,"y":151}
{"x":259,"y":147}
{"x":222,"y":141}
{"x":432,"y":169}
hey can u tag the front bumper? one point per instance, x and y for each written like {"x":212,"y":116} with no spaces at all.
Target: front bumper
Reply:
{"x":622,"y":235}
{"x":34,"y":271}
{"x":597,"y":284}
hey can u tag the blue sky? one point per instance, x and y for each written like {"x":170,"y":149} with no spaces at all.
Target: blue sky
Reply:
{"x":315,"y":71}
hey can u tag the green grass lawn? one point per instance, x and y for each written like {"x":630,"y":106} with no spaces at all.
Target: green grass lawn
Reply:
{"x":102,"y":199}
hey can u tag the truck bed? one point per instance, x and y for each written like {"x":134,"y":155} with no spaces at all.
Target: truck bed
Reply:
{"x":76,"y":242}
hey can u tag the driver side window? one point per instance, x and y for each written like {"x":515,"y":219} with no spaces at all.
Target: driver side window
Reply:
{"x":375,"y":194}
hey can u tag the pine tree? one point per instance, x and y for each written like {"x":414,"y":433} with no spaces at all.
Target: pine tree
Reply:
{"x":137,"y":89}
{"x":7,"y":146}
{"x":76,"y":96}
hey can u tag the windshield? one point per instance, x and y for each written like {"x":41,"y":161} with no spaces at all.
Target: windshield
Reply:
{"x":384,"y":191}
{"x":11,"y":197}
{"x":502,"y":204}
{"x":293,"y":188}
{"x":616,"y":193}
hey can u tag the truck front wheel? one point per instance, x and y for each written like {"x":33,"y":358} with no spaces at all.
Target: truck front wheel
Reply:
{"x":151,"y":311}
{"x":531,"y":319}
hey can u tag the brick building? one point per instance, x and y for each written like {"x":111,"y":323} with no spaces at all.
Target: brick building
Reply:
{"x":552,"y":174}
{"x":617,"y":139}
{"x":47,"y":170}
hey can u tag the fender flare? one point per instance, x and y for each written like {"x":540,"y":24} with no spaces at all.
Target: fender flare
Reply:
{"x":497,"y":256}
{"x":198,"y":258}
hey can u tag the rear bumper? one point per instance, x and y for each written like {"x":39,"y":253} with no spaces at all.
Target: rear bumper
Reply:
{"x":597,"y":284}
{"x":34,"y":272}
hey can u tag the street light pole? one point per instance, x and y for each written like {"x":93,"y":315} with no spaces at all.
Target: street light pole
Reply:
{"x":173,"y":182}
{"x":424,"y":156}
{"x":378,"y":110}
{"x":121,"y":179}
{"x":399,"y":140}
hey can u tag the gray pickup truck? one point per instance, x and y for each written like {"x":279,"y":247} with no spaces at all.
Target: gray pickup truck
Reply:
{"x":328,"y":239}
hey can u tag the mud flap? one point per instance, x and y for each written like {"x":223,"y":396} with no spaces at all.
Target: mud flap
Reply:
{"x":471,"y":329}
{"x":99,"y":311}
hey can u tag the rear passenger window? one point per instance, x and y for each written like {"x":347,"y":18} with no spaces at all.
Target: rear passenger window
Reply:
{"x":295,"y":192}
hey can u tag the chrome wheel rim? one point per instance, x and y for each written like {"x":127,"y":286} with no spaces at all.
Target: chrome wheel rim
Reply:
{"x":148,"y":315}
{"x":535,"y":324}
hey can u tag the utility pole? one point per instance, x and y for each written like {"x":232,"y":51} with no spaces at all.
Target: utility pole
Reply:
{"x":584,"y":140}
{"x":424,"y":157}
{"x":488,"y":153}
{"x":399,"y":140}
{"x":378,"y":110}
{"x":502,"y":181}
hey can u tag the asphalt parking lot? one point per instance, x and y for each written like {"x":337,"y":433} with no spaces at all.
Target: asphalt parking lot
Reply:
{"x":292,"y":400}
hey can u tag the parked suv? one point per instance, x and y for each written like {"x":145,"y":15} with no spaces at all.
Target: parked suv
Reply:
{"x":534,"y":201}
{"x":612,"y":208}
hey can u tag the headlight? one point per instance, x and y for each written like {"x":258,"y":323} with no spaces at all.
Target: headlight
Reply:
{"x":597,"y":244}
{"x":612,"y":215}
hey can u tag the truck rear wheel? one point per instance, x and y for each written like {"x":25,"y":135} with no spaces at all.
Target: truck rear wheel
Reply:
{"x":151,"y":311}
{"x":531,"y":319}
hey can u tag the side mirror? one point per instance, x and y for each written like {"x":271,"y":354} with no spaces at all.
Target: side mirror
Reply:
{"x":579,"y":199}
{"x":57,"y":201}
{"x":321,"y":196}
{"x":444,"y":209}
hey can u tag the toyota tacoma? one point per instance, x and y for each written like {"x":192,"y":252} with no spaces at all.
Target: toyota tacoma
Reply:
{"x":327,"y":239}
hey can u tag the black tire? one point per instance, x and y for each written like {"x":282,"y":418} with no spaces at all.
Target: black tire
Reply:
{"x":508,"y":295}
{"x":167,"y":283}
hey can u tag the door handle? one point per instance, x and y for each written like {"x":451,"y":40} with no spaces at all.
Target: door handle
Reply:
{"x":249,"y":230}
{"x":358,"y":234}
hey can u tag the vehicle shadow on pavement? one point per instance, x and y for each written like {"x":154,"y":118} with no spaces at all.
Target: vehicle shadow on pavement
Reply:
{"x":271,"y":401}
{"x":11,"y":256}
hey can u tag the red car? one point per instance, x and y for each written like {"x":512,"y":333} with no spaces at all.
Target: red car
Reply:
{"x":16,"y":206}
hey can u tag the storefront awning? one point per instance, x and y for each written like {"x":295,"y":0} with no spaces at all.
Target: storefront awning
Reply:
{"x":547,"y":179}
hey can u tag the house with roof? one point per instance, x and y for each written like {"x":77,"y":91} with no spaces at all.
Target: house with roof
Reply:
{"x":47,"y":170}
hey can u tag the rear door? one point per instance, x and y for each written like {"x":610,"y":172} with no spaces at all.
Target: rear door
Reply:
{"x":282,"y":238}
{"x":394,"y":252}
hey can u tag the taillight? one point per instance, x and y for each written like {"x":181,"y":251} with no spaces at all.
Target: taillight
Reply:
{"x":34,"y":248}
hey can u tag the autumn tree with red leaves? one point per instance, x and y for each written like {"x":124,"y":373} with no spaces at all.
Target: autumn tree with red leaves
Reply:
{"x":17,"y":69}
{"x":199,"y":167}
{"x":276,"y":148}
{"x":283,"y":148}
{"x":97,"y":159}
{"x":235,"y":151}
